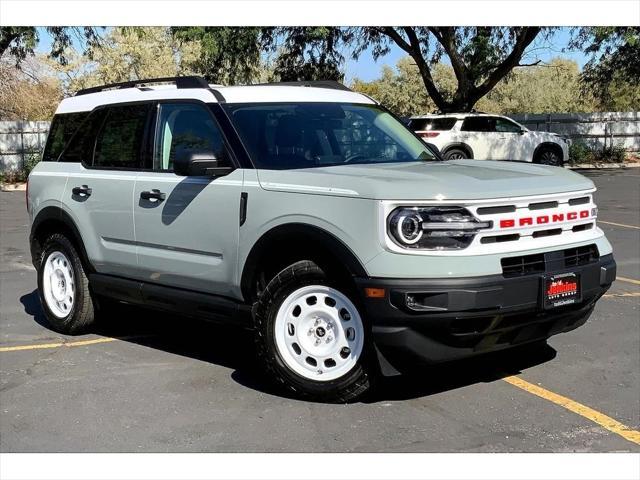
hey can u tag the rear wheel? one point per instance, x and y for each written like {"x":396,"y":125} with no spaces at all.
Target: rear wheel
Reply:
{"x":310,"y":336}
{"x":456,"y":154}
{"x":63,"y":287}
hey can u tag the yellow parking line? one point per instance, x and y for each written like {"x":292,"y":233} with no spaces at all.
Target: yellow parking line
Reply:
{"x":60,"y":344}
{"x":619,"y":224}
{"x":628,"y":280}
{"x":589,"y":413}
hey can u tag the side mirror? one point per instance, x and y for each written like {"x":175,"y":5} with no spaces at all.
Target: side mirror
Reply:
{"x":199,"y":163}
{"x":522,"y":131}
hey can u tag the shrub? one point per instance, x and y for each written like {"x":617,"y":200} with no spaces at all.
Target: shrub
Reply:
{"x":615,"y":154}
{"x":30,"y":162}
{"x":579,"y":152}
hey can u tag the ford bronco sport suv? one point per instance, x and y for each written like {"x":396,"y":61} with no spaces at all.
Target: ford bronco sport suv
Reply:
{"x":489,"y":137}
{"x":312,"y":215}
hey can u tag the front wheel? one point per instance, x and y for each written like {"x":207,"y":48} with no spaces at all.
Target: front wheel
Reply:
{"x":310,"y":336}
{"x":548,"y":156}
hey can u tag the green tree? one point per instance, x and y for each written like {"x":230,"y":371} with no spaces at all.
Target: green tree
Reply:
{"x":129,"y":54}
{"x":227,"y":55}
{"x":20,"y":42}
{"x":614,"y":65}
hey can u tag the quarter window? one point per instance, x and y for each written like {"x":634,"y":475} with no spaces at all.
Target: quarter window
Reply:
{"x":119,"y":143}
{"x":62,"y":129}
{"x":80,"y":147}
{"x":185,"y":127}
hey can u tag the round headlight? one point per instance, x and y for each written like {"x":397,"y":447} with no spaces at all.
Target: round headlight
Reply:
{"x":408,"y":227}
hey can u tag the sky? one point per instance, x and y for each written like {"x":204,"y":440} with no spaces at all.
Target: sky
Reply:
{"x":367,"y":69}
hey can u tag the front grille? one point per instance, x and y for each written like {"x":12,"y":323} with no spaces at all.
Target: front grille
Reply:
{"x":550,"y":261}
{"x":523,"y":265}
{"x":574,"y":257}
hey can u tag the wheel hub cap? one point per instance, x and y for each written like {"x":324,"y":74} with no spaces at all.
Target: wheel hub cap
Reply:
{"x":58,"y":284}
{"x":319,"y":333}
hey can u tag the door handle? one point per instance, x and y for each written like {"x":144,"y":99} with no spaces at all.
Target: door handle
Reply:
{"x":154,"y":194}
{"x":82,"y":191}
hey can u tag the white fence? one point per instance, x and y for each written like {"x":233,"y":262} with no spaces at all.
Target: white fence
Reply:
{"x":597,"y":130}
{"x":19,"y":139}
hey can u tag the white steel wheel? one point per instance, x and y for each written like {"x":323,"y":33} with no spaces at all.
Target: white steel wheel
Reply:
{"x":58,"y":284}
{"x":319,"y":333}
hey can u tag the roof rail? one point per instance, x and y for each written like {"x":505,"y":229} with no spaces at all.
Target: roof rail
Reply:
{"x":331,"y":84}
{"x":180,"y":82}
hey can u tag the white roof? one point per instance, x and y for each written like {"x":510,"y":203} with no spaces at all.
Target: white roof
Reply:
{"x":248,"y":94}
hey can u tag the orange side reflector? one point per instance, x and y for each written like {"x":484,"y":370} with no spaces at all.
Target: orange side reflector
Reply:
{"x":374,"y":292}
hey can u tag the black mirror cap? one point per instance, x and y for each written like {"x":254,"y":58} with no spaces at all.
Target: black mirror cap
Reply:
{"x":199,"y":163}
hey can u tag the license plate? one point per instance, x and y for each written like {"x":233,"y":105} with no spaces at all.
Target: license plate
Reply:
{"x":562,"y":289}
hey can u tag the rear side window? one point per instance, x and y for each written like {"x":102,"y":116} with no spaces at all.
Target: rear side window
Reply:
{"x":425,"y":124}
{"x":119,"y":143}
{"x":80,"y":148}
{"x":479,"y":124}
{"x":62,"y":129}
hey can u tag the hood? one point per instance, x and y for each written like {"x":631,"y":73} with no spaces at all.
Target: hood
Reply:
{"x":447,"y":180}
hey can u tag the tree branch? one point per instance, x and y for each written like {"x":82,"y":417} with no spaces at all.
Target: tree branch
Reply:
{"x":524,"y":39}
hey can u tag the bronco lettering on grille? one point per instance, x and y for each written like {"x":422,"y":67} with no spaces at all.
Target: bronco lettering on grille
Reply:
{"x":543,"y":219}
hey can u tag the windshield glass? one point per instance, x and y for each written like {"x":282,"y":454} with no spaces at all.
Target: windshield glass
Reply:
{"x":306,"y":135}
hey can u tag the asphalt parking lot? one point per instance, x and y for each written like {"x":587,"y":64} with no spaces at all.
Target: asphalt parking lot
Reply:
{"x":150,"y":383}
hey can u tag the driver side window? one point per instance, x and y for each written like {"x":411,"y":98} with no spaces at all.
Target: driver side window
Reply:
{"x":185,"y":126}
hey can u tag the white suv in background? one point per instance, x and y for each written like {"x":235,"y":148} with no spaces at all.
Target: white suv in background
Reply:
{"x":483,"y":136}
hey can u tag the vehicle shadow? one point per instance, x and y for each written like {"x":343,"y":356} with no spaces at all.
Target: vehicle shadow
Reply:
{"x":232,"y":347}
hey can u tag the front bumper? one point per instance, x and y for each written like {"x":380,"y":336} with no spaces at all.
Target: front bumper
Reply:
{"x":436,"y":320}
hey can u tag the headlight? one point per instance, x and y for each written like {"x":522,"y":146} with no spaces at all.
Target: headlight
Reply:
{"x":434,"y":228}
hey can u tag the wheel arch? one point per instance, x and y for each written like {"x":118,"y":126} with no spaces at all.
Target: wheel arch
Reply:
{"x":460,"y":145}
{"x":55,"y":220}
{"x":292,"y":242}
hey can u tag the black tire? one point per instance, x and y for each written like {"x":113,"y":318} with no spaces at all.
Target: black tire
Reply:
{"x":350,"y":386}
{"x":456,"y":154}
{"x":81,"y":314}
{"x":548,"y":156}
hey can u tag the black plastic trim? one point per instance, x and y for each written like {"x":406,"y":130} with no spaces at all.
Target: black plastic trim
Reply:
{"x":180,"y":82}
{"x":190,"y":303}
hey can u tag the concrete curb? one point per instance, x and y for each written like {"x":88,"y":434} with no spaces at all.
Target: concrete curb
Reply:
{"x":604,"y":166}
{"x":13,"y":187}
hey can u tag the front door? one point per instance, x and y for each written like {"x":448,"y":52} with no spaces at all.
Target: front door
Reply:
{"x":186,"y":228}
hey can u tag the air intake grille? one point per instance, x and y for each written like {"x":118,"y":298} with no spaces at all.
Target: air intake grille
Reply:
{"x":574,"y":257}
{"x":514,"y":266}
{"x":552,"y":261}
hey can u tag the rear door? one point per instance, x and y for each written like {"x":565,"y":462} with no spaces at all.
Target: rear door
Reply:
{"x":187,"y":227}
{"x":103,"y":162}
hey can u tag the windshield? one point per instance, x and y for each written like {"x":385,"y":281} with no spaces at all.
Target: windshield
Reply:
{"x":306,"y":135}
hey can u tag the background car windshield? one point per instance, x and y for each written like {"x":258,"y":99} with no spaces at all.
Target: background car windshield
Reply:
{"x":307,"y":135}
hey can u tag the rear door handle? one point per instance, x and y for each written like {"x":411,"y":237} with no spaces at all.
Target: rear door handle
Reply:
{"x":154,"y":194}
{"x":82,"y":191}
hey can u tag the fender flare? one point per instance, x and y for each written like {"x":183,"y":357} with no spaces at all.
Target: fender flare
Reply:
{"x":285,"y":231}
{"x":56,"y":215}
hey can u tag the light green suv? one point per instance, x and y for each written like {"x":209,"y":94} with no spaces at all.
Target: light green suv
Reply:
{"x":310,"y":214}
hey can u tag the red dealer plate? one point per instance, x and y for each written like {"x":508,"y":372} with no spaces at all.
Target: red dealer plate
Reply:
{"x":562,"y":289}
